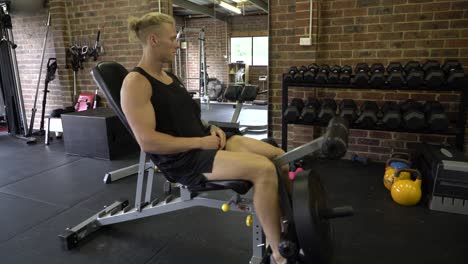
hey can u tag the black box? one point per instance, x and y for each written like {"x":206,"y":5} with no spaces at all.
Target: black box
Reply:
{"x":96,"y":133}
{"x":445,"y":177}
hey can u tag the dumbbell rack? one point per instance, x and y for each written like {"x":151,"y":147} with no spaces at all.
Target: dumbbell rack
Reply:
{"x":458,"y":131}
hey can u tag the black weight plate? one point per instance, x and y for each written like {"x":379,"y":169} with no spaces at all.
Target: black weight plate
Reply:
{"x":315,"y":234}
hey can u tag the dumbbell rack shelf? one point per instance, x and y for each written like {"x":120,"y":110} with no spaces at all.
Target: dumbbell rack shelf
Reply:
{"x":449,"y":132}
{"x":458,"y":131}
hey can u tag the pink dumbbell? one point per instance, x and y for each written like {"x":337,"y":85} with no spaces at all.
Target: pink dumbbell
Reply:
{"x":292,"y":174}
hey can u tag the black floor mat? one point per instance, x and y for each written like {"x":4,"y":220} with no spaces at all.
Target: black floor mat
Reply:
{"x":19,"y":214}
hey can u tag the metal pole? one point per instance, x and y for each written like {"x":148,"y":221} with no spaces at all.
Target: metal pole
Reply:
{"x":33,"y":115}
{"x":18,"y":85}
{"x":74,"y":99}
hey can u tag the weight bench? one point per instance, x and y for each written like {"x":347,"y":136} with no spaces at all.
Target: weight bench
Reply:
{"x":307,"y":224}
{"x":109,"y":77}
{"x":241,"y":94}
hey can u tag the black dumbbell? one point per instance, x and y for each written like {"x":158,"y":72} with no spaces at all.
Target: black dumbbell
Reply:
{"x":289,"y":76}
{"x":327,"y":110}
{"x":412,"y":115}
{"x":436,"y":118}
{"x":433,"y":74}
{"x":391,"y":118}
{"x":368,"y":115}
{"x":396,"y":76}
{"x":377,"y":79}
{"x":348,"y":110}
{"x":294,"y":110}
{"x":414,"y":75}
{"x":334,"y":75}
{"x":299,"y":76}
{"x":311,"y":72}
{"x":313,"y":68}
{"x":310,"y":110}
{"x":362,"y":75}
{"x":454,"y":72}
{"x":322,"y":75}
{"x":345,"y":75}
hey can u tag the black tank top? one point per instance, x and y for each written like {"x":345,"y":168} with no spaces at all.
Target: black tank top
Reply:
{"x":176,"y":113}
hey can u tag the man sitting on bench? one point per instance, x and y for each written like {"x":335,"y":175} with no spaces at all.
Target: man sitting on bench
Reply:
{"x":167,"y":126}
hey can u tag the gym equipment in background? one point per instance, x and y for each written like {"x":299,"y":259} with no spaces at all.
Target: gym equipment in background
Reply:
{"x":368,"y":115}
{"x":312,"y":70}
{"x":433,"y":74}
{"x":215,"y":90}
{"x":377,"y":79}
{"x":310,"y":111}
{"x":444,"y":170}
{"x":10,"y":84}
{"x":397,"y":160}
{"x":77,"y":54}
{"x":33,"y":114}
{"x":322,"y":75}
{"x":436,"y":118}
{"x":348,"y":110}
{"x":414,"y":75}
{"x":406,"y":191}
{"x":391,"y":118}
{"x":294,"y":110}
{"x":412,"y":115}
{"x":360,"y":159}
{"x":454,"y":73}
{"x":51,"y":69}
{"x":361,"y":78}
{"x":334,"y":75}
{"x":396,"y":76}
{"x":345,"y":75}
{"x":241,"y":94}
{"x":327,"y":110}
{"x":203,"y":79}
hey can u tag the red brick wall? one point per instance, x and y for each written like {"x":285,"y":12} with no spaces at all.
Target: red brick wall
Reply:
{"x":349,"y":32}
{"x":75,"y":20}
{"x":217,"y":44}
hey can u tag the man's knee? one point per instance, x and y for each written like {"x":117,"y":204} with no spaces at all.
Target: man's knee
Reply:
{"x":267,"y":173}
{"x":279,"y":152}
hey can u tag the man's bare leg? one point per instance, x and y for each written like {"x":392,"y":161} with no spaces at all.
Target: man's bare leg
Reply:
{"x":245,"y":144}
{"x":259,"y":170}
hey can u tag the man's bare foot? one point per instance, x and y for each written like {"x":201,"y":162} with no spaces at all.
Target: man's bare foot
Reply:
{"x":277,"y":259}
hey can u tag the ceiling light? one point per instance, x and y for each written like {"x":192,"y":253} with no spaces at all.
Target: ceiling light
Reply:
{"x":230,"y":7}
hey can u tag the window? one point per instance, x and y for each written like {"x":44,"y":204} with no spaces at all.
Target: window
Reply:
{"x":250,"y":50}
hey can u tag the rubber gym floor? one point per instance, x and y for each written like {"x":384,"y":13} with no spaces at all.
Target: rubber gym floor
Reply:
{"x":43,"y":190}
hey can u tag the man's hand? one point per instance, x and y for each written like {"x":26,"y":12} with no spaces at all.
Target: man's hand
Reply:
{"x":209,"y":142}
{"x":216,"y":131}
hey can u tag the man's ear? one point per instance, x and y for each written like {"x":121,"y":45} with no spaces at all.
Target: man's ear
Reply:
{"x":154,"y":39}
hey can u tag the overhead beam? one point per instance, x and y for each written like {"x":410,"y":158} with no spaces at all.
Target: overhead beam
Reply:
{"x":260,"y":4}
{"x":199,"y":9}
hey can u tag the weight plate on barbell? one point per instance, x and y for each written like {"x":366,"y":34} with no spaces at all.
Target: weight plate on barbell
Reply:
{"x":314,"y":233}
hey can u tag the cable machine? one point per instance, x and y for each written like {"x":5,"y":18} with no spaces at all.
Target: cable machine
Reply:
{"x":203,"y":75}
{"x":10,"y":84}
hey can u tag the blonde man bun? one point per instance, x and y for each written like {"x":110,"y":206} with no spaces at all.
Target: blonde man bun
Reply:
{"x":140,"y":27}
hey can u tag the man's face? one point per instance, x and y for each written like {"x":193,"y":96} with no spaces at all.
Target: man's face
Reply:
{"x":166,"y":42}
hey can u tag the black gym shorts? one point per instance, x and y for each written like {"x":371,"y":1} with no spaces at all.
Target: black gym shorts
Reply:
{"x":187,"y":168}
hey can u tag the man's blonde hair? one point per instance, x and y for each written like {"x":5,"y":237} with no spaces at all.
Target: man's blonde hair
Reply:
{"x":140,"y":27}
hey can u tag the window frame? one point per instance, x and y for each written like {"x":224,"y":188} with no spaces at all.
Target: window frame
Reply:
{"x":251,"y":49}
